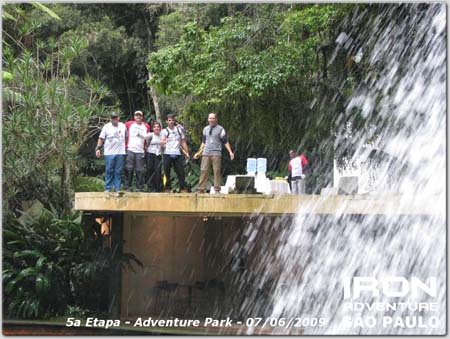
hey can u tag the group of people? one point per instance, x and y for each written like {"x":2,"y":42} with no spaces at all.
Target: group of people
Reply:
{"x":144,"y":151}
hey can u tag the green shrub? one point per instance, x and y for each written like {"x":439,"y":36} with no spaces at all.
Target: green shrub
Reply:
{"x":51,"y":262}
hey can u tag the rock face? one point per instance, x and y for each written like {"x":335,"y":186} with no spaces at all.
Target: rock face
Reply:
{"x":348,"y":185}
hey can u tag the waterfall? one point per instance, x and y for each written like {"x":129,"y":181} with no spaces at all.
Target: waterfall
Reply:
{"x":404,"y":99}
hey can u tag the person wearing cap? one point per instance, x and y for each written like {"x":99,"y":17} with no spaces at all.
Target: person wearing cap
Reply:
{"x":214,"y":136}
{"x":112,"y":139}
{"x":296,"y":168}
{"x":135,"y":160}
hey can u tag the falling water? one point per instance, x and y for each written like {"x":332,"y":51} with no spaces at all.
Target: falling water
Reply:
{"x":406,"y":91}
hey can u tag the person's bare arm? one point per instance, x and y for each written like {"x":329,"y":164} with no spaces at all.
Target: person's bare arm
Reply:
{"x":200,"y":151}
{"x":185,"y":149}
{"x":228,"y":147}
{"x":99,"y":146}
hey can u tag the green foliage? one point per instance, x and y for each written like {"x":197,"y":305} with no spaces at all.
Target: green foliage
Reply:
{"x":7,"y":16}
{"x":169,"y":32}
{"x":89,"y":184}
{"x":78,"y":312}
{"x":36,"y":260}
{"x":170,"y":26}
{"x":242,"y":54}
{"x":52,"y":263}
{"x":46,"y":10}
{"x":6,"y":76}
{"x":262,"y":69}
{"x":109,"y":48}
{"x":55,"y":111}
{"x":193,"y":175}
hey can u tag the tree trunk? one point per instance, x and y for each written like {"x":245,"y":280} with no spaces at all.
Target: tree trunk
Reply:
{"x":154,"y":96}
{"x":230,"y":9}
{"x":65,"y":187}
{"x":324,"y":63}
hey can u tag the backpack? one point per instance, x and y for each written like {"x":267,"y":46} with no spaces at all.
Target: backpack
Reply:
{"x":178,"y":130}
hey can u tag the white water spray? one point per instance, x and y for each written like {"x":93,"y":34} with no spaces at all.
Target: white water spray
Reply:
{"x":407,"y":92}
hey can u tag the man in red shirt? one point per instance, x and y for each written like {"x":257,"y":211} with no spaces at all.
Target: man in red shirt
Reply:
{"x":296,"y":168}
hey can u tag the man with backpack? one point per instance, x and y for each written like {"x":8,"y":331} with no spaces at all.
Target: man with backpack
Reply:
{"x":173,"y":140}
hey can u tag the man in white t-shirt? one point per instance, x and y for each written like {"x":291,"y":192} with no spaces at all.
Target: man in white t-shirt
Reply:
{"x":135,"y":161}
{"x":173,"y":139}
{"x":112,"y":137}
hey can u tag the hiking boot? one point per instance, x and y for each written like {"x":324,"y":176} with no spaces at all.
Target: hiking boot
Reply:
{"x":200,"y":191}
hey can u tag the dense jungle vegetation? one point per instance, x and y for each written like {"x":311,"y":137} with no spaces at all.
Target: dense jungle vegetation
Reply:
{"x":278,"y":76}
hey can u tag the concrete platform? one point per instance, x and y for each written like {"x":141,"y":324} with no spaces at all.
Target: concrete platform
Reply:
{"x":250,"y":204}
